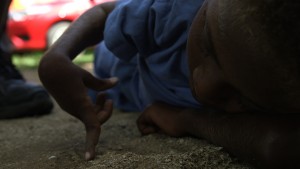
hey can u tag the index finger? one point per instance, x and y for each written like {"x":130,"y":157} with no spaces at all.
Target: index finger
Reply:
{"x":92,"y":138}
{"x":93,"y":129}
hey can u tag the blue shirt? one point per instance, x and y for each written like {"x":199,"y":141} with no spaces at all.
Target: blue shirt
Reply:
{"x":149,"y":38}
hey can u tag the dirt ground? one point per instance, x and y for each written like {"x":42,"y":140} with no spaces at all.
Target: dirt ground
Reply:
{"x":56,"y":141}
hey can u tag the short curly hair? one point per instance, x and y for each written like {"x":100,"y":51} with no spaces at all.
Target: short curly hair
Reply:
{"x":271,"y":30}
{"x":276,"y":22}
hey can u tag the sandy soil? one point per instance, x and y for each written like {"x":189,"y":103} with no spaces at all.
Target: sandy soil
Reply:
{"x":56,"y":141}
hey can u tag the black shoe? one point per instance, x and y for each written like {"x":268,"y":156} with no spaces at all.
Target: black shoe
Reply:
{"x":19,"y":98}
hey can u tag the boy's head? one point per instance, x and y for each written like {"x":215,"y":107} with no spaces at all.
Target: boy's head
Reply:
{"x":244,"y":55}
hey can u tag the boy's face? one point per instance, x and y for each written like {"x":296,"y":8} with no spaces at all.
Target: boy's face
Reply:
{"x":226,"y":73}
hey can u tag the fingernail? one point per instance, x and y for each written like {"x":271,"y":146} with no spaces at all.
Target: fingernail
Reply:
{"x":87,"y":156}
{"x":114,"y":79}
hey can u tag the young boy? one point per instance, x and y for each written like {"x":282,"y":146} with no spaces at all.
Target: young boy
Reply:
{"x":240,"y":59}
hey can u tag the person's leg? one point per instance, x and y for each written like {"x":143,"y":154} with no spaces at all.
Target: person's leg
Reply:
{"x":4,"y":7}
{"x":7,"y":69}
{"x":17,"y":97}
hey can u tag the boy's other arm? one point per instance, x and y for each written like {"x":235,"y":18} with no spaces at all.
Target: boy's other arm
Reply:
{"x":68,"y":83}
{"x":267,"y":140}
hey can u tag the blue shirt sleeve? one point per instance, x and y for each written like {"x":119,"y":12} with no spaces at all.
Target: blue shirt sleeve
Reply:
{"x":126,"y":28}
{"x":148,"y":26}
{"x":152,"y":34}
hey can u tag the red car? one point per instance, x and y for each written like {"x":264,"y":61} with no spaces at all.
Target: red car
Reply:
{"x":39,"y":25}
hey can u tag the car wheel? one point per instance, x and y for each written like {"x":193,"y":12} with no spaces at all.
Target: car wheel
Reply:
{"x":56,"y":31}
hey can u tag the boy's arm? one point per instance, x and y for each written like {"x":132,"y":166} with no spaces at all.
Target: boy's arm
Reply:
{"x":86,"y":31}
{"x":68,"y":83}
{"x":268,"y":140}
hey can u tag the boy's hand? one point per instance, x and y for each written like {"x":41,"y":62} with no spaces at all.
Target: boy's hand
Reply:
{"x":68,"y":84}
{"x":161,"y":117}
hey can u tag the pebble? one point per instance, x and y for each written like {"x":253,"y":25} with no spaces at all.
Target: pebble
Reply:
{"x":51,"y":157}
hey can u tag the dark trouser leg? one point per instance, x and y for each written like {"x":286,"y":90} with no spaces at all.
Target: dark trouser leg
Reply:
{"x":17,"y":97}
{"x":7,"y":69}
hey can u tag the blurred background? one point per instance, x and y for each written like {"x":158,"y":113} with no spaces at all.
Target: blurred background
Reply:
{"x":34,"y":25}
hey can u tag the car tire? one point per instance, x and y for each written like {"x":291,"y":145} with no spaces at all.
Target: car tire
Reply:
{"x":56,"y":31}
